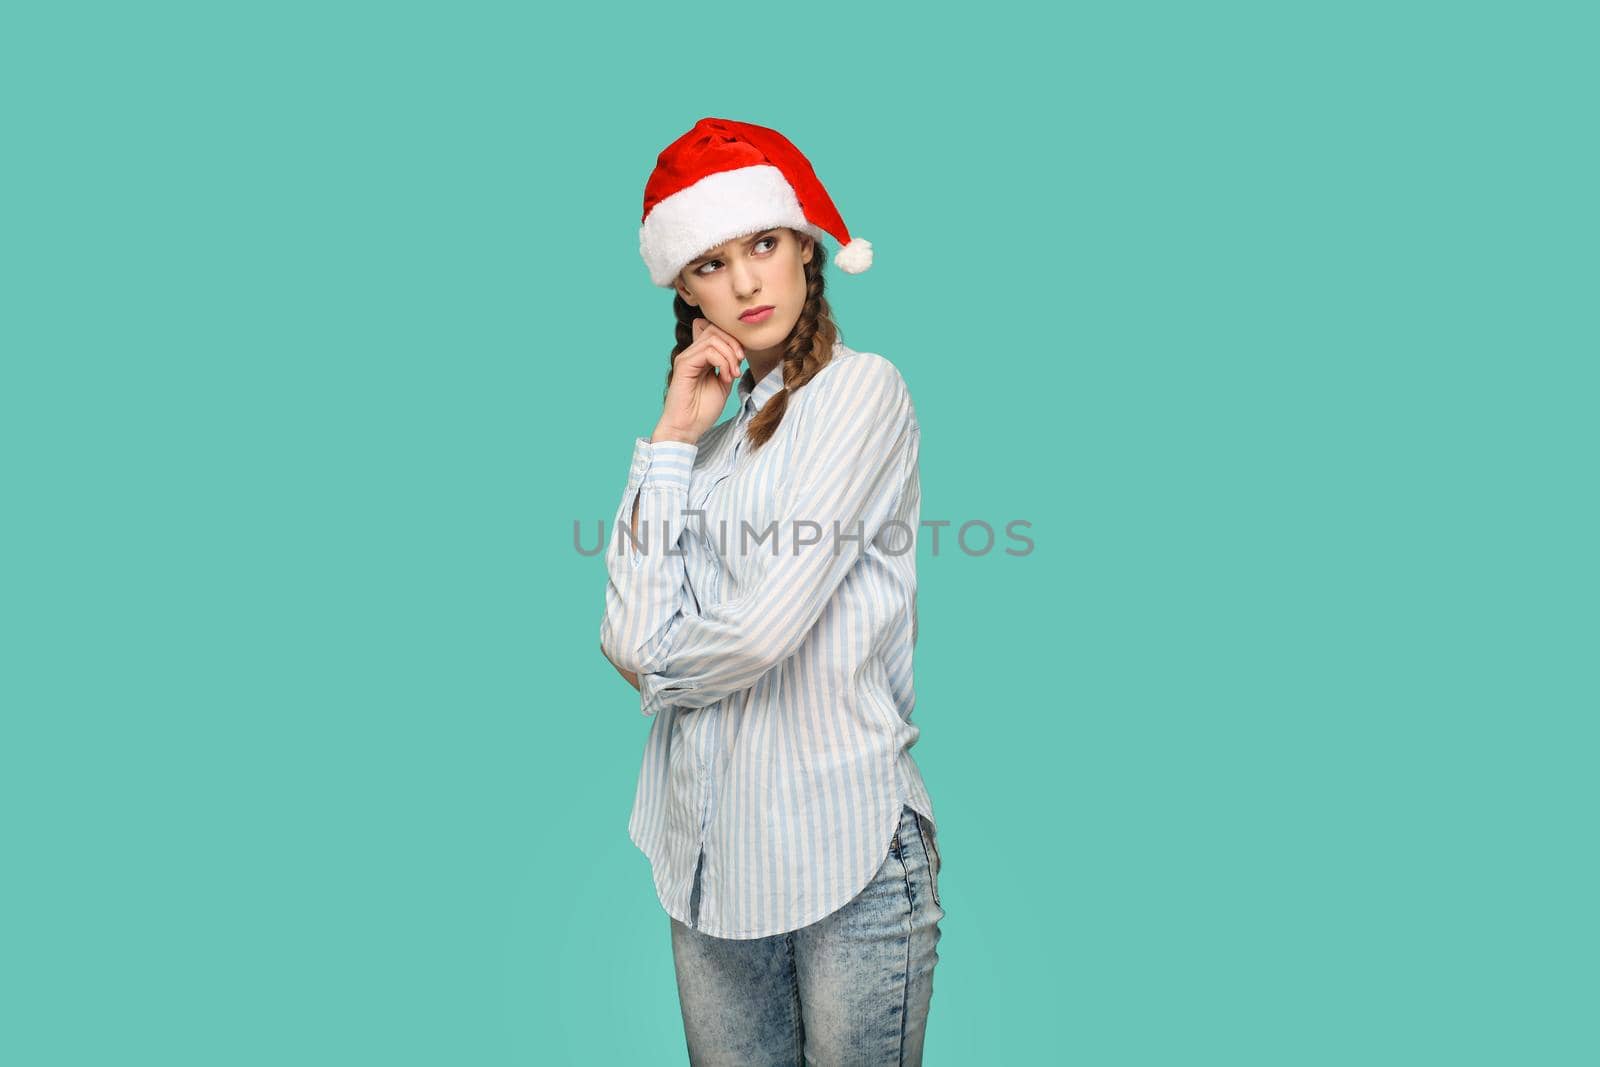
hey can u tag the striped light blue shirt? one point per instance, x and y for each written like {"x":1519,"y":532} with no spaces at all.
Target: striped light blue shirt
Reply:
{"x":768,"y":604}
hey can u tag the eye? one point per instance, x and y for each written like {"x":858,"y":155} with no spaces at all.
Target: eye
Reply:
{"x":701,"y":269}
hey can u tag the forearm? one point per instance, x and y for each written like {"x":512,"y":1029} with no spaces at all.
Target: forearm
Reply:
{"x":660,"y":434}
{"x":645,"y":562}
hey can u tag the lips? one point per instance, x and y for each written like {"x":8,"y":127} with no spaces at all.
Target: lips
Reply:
{"x":756,"y":314}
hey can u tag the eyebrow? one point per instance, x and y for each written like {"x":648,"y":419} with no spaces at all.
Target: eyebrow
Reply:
{"x":747,"y":242}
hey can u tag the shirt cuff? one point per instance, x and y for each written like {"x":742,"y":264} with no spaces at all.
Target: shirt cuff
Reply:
{"x":655,"y":693}
{"x":665,"y":464}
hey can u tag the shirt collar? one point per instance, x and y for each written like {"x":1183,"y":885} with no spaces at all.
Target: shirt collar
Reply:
{"x":753,"y":396}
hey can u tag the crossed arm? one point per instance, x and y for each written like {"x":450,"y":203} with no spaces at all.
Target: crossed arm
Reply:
{"x":627,"y":675}
{"x":850,"y":466}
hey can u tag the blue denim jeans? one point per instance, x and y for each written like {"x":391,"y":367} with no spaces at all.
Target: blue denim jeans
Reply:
{"x":850,"y":990}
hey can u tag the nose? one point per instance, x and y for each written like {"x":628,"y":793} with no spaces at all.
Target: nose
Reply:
{"x":746,"y":283}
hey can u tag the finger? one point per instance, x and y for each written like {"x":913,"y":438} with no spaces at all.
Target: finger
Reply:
{"x":738,"y":349}
{"x":698,"y":359}
{"x":722,"y":356}
{"x":733,"y":343}
{"x":692,"y":361}
{"x":735,"y":354}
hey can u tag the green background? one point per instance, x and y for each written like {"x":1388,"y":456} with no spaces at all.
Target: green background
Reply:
{"x":324,"y":323}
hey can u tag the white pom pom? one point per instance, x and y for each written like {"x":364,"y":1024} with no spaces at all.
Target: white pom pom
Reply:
{"x":854,"y":257}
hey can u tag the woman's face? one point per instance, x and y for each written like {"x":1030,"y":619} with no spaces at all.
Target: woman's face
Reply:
{"x":761,"y":269}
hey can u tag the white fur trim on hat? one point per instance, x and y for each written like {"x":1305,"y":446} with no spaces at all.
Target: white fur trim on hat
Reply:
{"x":718,"y":208}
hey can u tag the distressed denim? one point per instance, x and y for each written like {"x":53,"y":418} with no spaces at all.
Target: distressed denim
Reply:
{"x":850,"y":990}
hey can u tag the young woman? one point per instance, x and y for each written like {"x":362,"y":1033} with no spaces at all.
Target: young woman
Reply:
{"x":762,"y":599}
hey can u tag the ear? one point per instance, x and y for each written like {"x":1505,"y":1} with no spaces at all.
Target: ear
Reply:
{"x":683,"y":291}
{"x":808,"y":244}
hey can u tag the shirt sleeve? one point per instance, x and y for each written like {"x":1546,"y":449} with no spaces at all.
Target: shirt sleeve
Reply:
{"x":646,"y":572}
{"x":850,"y":467}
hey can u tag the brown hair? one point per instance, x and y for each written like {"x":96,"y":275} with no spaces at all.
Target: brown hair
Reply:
{"x":807,"y":351}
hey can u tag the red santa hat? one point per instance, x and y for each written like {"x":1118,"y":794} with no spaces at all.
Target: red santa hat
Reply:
{"x":724,"y":179}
